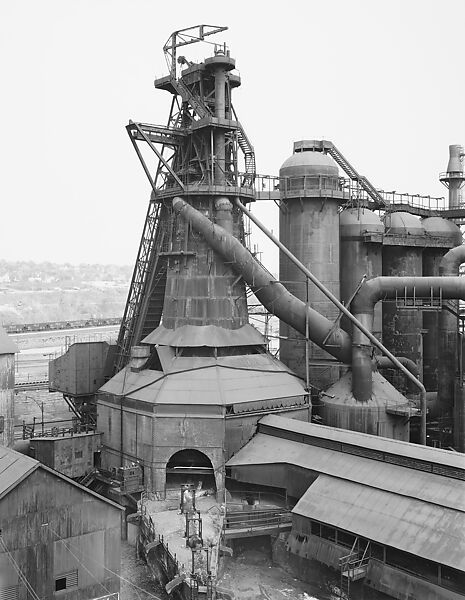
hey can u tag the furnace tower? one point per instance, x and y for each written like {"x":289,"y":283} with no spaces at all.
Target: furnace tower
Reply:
{"x":192,"y":376}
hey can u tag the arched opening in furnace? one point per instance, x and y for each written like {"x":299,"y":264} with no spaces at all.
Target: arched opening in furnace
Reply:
{"x":193,"y":467}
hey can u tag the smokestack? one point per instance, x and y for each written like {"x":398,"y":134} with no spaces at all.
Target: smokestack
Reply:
{"x":454,"y":178}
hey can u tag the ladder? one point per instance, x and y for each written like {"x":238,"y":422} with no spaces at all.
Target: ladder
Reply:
{"x":353,"y":567}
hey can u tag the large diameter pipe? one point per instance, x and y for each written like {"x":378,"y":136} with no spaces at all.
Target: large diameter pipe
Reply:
{"x":361,"y":347}
{"x":272,"y":294}
{"x":448,"y":398}
{"x":383,"y":288}
{"x":451,"y":261}
{"x":382,"y":362}
{"x":388,"y":288}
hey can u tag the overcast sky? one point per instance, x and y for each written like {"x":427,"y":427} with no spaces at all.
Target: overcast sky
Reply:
{"x":383,"y":80}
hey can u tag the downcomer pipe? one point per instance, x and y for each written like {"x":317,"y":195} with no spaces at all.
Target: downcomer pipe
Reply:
{"x":448,"y":398}
{"x":272,"y":294}
{"x":279,"y":301}
{"x":361,"y":330}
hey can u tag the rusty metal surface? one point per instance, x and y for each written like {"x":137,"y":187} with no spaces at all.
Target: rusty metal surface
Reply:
{"x":424,"y":529}
{"x":14,"y":467}
{"x":207,"y":335}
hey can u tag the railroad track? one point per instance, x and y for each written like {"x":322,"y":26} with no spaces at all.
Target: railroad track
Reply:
{"x":37,"y":384}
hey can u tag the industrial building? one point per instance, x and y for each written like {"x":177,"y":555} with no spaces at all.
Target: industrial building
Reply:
{"x":55,"y":535}
{"x":399,"y":507}
{"x":7,"y":389}
{"x":367,"y":298}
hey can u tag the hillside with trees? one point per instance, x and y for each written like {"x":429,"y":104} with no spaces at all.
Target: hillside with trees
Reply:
{"x":33,"y":292}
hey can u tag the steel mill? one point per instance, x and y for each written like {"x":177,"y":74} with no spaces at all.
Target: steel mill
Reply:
{"x":358,"y":419}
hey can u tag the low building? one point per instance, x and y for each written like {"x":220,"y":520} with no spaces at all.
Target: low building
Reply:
{"x":74,"y":454}
{"x":396,"y":509}
{"x":179,"y":411}
{"x":57,"y":537}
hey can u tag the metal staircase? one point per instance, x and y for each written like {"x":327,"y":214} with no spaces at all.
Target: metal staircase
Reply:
{"x":249,"y":156}
{"x":195,"y":101}
{"x":354,"y":175}
{"x":202,"y":110}
{"x":86,"y":480}
{"x":341,"y":160}
{"x":144,"y":304}
{"x":146,"y":264}
{"x":154,"y":308}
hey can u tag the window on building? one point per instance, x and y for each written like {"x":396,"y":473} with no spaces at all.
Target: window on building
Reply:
{"x":2,"y":423}
{"x":345,"y":539}
{"x":78,"y":454}
{"x":452,"y":579}
{"x":377,"y":551}
{"x":66,"y":581}
{"x":315,"y":528}
{"x":416,"y":565}
{"x":328,"y":533}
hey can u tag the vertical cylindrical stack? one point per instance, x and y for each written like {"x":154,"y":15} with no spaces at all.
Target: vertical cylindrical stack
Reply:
{"x":438,"y":231}
{"x":7,"y":389}
{"x":309,"y":228}
{"x":361,"y":256}
{"x":454,"y":178}
{"x":402,"y":256}
{"x":200,"y":288}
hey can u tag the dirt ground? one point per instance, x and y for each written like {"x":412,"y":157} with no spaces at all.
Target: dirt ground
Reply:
{"x":136,"y":582}
{"x":252,"y":576}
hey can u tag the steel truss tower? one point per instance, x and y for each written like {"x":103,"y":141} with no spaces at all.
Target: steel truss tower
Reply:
{"x":199,"y":153}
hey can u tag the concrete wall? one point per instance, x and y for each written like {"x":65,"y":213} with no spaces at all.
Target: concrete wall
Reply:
{"x":188,"y":427}
{"x":73,"y":456}
{"x":44,"y":521}
{"x":152,"y":433}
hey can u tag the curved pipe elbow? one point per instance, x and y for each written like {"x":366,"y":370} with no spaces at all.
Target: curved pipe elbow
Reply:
{"x":384,"y":362}
{"x":389,"y":288}
{"x":451,"y":261}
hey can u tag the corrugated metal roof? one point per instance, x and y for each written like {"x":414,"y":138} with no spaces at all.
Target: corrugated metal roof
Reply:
{"x":7,"y":345}
{"x":265,"y":449}
{"x":423,"y":529}
{"x":14,"y":467}
{"x":205,"y":335}
{"x":416,"y":451}
{"x":205,"y":383}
